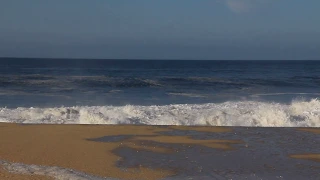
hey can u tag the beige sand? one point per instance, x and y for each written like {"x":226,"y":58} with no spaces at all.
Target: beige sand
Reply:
{"x":312,"y":130}
{"x":67,"y":146}
{"x":312,"y":157}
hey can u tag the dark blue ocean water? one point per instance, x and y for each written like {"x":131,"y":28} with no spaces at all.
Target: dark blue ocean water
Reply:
{"x":75,"y":82}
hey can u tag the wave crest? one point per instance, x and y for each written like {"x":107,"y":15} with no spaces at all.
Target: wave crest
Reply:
{"x":242,"y":113}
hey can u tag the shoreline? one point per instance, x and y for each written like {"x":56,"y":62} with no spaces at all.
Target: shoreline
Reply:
{"x":158,"y":152}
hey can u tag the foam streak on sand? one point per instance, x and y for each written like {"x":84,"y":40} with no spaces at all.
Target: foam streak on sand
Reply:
{"x":243,"y":113}
{"x":44,"y":172}
{"x":6,"y":175}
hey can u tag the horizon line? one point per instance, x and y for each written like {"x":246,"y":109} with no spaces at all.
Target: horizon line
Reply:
{"x":155,"y":59}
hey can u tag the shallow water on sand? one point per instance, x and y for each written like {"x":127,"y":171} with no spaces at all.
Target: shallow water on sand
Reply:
{"x":194,"y":153}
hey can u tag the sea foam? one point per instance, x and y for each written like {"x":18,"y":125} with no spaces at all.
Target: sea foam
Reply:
{"x":51,"y":171}
{"x":241,"y":113}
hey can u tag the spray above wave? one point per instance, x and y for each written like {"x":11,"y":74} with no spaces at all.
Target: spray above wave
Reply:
{"x":243,"y":113}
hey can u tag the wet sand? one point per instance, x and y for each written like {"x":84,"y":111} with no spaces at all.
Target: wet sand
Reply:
{"x":160,"y":152}
{"x":4,"y":175}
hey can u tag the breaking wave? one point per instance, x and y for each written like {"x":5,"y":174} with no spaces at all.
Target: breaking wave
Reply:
{"x":242,"y":113}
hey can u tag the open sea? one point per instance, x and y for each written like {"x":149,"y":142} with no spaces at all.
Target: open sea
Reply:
{"x":160,"y":92}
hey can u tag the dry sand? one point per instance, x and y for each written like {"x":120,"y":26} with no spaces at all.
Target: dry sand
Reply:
{"x":67,"y":146}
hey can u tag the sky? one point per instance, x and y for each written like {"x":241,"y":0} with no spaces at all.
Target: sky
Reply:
{"x":161,"y":29}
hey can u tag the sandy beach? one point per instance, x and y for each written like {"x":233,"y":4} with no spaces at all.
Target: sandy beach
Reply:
{"x":156,"y":152}
{"x":159,"y":90}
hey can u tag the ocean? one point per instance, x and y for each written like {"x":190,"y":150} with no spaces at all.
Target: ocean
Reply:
{"x":160,"y":92}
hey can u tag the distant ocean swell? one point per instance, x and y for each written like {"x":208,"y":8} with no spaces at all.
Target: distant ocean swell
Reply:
{"x":123,"y":82}
{"x":241,"y":113}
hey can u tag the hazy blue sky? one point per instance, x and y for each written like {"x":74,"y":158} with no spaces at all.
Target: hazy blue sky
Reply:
{"x":161,"y":29}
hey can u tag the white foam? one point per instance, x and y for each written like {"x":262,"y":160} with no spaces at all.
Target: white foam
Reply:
{"x":51,"y":171}
{"x":242,"y":113}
